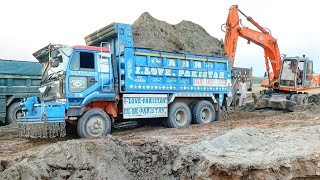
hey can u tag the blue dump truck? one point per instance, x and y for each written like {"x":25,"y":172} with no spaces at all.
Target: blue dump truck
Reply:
{"x":18,"y":80}
{"x":112,"y":81}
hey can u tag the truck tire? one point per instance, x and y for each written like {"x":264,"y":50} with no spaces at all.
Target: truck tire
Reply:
{"x":302,"y":99}
{"x":14,"y":111}
{"x":203,"y":113}
{"x":179,"y":115}
{"x":93,"y":124}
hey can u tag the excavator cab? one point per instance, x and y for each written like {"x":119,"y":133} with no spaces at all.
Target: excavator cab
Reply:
{"x":296,"y":73}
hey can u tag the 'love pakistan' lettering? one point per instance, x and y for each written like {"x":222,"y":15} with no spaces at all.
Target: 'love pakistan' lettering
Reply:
{"x":181,"y":73}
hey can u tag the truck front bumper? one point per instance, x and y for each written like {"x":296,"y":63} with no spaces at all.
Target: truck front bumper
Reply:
{"x":42,"y":120}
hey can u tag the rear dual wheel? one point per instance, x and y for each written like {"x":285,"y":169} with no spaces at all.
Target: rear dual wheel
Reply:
{"x":179,"y":115}
{"x":203,"y":112}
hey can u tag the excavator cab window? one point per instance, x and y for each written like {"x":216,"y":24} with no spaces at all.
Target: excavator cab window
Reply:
{"x":288,"y":72}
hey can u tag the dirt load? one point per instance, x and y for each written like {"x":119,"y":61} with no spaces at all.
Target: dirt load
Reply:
{"x":185,"y":37}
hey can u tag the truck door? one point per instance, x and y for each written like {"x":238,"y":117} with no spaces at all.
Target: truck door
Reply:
{"x":82,"y":76}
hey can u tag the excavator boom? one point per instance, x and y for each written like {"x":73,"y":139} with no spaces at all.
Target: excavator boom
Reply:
{"x":262,"y":38}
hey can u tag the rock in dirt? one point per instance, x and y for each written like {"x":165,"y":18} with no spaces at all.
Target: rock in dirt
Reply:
{"x":185,"y":37}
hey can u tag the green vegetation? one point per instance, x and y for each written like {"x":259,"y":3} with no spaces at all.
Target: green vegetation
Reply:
{"x":257,"y":80}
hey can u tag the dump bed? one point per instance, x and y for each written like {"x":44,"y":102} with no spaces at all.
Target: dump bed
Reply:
{"x":19,"y":77}
{"x":14,"y":67}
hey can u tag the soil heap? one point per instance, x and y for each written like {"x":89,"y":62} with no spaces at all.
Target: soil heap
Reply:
{"x":185,"y":37}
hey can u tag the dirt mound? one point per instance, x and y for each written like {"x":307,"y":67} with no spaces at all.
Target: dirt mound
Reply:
{"x":185,"y":37}
{"x":242,"y":153}
{"x":252,"y":153}
{"x":92,"y":159}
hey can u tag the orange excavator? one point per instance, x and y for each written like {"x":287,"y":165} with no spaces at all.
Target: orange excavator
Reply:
{"x":287,"y":77}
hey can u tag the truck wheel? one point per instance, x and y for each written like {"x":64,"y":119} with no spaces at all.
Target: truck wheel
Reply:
{"x":14,"y":111}
{"x":179,"y":115}
{"x":302,"y":99}
{"x":203,"y":112}
{"x":94,"y":123}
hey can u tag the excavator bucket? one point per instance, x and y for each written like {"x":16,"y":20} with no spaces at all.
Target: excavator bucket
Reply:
{"x":275,"y":102}
{"x":281,"y":101}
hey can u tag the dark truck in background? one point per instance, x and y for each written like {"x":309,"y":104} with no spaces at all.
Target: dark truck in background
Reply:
{"x":237,"y":74}
{"x":18,"y":80}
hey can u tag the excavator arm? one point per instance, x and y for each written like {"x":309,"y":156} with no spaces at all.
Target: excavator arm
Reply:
{"x":262,"y":39}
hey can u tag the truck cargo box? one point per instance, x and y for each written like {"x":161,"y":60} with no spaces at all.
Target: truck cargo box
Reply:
{"x":18,"y":80}
{"x":19,"y":77}
{"x":20,"y":67}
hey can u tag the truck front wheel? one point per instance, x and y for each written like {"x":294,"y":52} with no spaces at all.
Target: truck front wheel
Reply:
{"x":94,"y":123}
{"x":179,"y":115}
{"x":203,"y":112}
{"x":14,"y":112}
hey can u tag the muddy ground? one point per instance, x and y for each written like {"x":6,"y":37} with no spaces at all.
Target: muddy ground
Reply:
{"x":264,"y":144}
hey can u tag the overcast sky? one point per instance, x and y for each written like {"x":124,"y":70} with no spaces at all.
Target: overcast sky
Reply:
{"x":27,"y":26}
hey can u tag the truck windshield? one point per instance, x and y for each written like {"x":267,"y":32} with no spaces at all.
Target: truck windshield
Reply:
{"x":52,"y":72}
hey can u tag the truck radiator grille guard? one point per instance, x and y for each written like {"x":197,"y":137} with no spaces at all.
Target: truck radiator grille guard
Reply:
{"x":42,"y":121}
{"x":40,"y":127}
